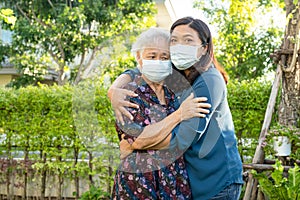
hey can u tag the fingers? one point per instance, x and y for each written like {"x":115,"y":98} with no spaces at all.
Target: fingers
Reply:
{"x":130,"y":93}
{"x":120,"y":104}
{"x":191,"y":96}
{"x":119,"y":117}
{"x":201,"y":115}
{"x":122,"y":136}
{"x":204,"y":105}
{"x":128,"y":103}
{"x":204,"y":111}
{"x":132,"y":105}
{"x":196,"y":112}
{"x":126,"y":113}
{"x":120,"y":113}
{"x":200,"y":99}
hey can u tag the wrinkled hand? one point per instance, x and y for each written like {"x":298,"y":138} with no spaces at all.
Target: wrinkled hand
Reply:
{"x":119,"y":103}
{"x":193,"y":107}
{"x":125,"y":149}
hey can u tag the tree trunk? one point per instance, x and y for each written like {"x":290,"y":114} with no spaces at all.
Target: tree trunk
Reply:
{"x":289,"y":108}
{"x":26,"y":171}
{"x":43,"y":175}
{"x":91,"y":169}
{"x":76,"y":174}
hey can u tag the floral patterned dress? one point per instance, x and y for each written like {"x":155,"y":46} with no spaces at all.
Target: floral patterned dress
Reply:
{"x":149,"y":174}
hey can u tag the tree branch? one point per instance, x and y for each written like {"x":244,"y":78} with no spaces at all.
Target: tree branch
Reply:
{"x":39,"y":20}
{"x":51,"y":4}
{"x":22,"y":12}
{"x":84,"y":70}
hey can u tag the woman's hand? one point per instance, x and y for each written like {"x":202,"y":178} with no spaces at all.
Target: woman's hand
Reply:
{"x":193,"y":107}
{"x":125,"y":149}
{"x":117,"y":97}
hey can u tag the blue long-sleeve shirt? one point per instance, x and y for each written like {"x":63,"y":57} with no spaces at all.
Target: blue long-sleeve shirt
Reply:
{"x":209,"y":144}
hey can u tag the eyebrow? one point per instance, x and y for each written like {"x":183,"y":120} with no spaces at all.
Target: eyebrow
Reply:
{"x":184,"y":35}
{"x":151,"y":52}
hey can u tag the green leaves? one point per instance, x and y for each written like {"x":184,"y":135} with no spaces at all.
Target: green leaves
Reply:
{"x":60,"y":123}
{"x":248,"y":101}
{"x":73,"y":33}
{"x":278,"y":186}
{"x":243,"y":43}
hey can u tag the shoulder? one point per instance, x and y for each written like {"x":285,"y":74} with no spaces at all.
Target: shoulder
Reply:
{"x":132,"y":72}
{"x":212,"y":78}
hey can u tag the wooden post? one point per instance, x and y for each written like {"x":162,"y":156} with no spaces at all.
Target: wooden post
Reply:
{"x":259,"y":153}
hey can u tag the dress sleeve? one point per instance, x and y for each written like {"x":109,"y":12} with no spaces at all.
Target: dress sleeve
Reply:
{"x":132,"y":72}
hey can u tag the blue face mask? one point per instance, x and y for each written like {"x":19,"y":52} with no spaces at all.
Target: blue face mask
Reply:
{"x":184,"y":56}
{"x":156,"y":70}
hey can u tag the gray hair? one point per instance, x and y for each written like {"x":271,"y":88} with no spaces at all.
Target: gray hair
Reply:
{"x":149,"y":38}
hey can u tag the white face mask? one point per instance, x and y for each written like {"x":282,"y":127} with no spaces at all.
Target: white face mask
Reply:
{"x":156,"y":70}
{"x":184,"y":56}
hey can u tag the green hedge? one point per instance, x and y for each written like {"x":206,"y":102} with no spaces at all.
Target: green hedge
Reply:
{"x":56,"y":126}
{"x":248,"y":101}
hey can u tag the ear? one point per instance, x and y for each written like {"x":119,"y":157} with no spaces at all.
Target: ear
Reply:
{"x":138,"y":55}
{"x":138,"y":58}
{"x":204,"y":50}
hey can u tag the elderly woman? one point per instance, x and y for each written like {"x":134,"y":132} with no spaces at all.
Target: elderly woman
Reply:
{"x":153,"y":174}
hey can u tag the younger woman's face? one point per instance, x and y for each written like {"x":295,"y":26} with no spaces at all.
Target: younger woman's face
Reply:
{"x":185,"y":35}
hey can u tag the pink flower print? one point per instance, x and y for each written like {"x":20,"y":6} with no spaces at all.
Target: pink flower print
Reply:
{"x":149,"y":161}
{"x":126,"y":164}
{"x":130,"y":177}
{"x":147,"y":122}
{"x":130,"y":140}
{"x":151,"y":152}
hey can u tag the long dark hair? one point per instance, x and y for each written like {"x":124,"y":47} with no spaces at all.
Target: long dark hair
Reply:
{"x":206,"y":60}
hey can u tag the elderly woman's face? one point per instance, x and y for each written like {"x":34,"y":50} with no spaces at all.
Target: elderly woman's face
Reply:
{"x":155,"y":52}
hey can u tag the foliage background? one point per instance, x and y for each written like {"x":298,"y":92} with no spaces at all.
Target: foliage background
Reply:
{"x":49,"y":125}
{"x":71,"y":39}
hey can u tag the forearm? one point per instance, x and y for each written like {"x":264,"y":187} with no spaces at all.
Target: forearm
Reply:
{"x":121,"y":81}
{"x":158,"y":135}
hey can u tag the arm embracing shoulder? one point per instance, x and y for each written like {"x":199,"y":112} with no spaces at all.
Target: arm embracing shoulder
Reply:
{"x":158,"y":135}
{"x":212,"y":86}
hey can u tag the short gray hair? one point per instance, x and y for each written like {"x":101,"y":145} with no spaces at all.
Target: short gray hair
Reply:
{"x":149,"y":38}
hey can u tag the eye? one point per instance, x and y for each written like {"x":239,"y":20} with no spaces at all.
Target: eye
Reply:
{"x":151,"y":57}
{"x":173,"y":40}
{"x":188,"y":40}
{"x":164,"y":58}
